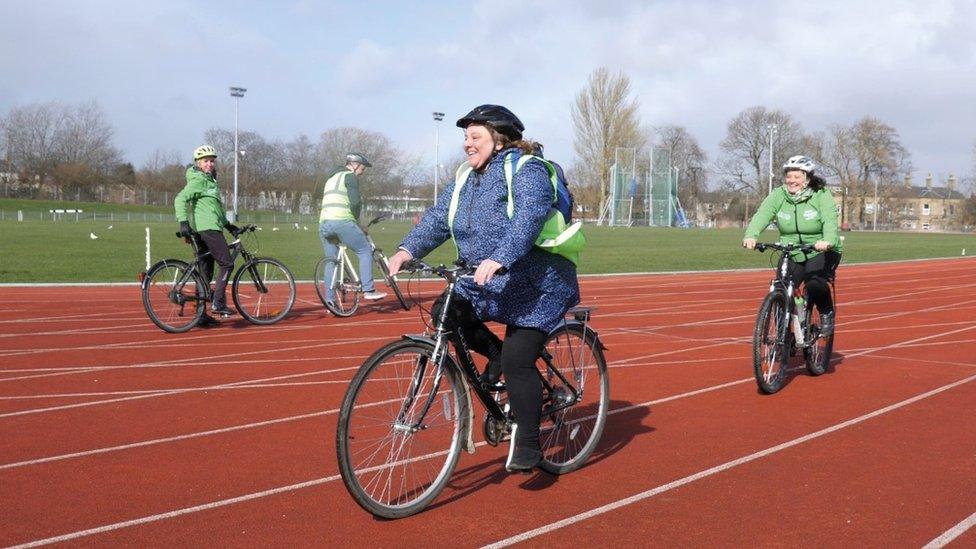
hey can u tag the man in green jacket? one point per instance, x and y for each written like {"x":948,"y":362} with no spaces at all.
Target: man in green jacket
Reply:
{"x":341,"y":205}
{"x":805,"y":213}
{"x":201,"y":197}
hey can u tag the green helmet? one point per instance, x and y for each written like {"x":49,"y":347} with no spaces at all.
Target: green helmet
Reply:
{"x":204,"y":151}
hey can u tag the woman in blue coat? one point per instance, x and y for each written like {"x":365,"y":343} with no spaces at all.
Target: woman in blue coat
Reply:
{"x":533,"y":293}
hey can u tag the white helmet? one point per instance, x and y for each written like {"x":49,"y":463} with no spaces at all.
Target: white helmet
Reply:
{"x":799,"y":162}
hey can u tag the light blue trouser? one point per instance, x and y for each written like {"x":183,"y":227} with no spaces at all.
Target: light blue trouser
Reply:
{"x":349,"y":233}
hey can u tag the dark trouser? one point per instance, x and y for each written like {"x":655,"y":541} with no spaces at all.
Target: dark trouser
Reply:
{"x":816,"y":272}
{"x":517,"y":356}
{"x":214,"y":242}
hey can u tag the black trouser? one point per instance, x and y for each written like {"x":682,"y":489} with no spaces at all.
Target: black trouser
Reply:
{"x":816,"y":272}
{"x":517,"y":357}
{"x":214,"y":242}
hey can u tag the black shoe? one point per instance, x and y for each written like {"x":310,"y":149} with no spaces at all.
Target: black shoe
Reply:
{"x":223,"y":311}
{"x":522,"y":458}
{"x":208,"y":321}
{"x":827,"y":324}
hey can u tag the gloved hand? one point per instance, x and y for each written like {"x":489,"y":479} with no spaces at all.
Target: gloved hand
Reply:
{"x":233,"y":229}
{"x":185,"y":229}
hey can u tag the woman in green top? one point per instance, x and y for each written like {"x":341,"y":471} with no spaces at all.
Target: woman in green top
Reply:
{"x":200,"y":200}
{"x":805,"y":213}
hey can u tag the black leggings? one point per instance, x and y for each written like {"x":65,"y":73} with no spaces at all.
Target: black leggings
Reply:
{"x":517,"y":356}
{"x":816,"y":272}
{"x":214,"y":242}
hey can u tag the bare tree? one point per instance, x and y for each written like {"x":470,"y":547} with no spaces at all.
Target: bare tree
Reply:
{"x":605,"y":117}
{"x":688,"y":157}
{"x":390,"y":166}
{"x":861,"y":155}
{"x":744,"y":163}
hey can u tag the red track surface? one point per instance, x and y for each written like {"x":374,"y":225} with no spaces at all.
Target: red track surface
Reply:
{"x":114,"y":432}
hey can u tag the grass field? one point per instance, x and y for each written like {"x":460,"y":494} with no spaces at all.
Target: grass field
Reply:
{"x":64,"y":252}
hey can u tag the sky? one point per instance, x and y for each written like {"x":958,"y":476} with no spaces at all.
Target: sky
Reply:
{"x":161,"y":70}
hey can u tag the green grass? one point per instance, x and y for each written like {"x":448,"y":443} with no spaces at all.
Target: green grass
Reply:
{"x":34,"y":251}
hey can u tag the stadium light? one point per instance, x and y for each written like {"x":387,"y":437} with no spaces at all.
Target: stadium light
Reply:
{"x":438,"y":116}
{"x":237,"y":93}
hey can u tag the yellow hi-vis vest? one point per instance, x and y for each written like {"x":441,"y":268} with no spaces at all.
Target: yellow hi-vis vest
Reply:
{"x":335,"y":199}
{"x":556,"y":236}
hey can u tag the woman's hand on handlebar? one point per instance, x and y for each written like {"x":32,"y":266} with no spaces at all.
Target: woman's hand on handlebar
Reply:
{"x":749,"y":243}
{"x":486,"y":270}
{"x":822,"y":245}
{"x":398,"y":259}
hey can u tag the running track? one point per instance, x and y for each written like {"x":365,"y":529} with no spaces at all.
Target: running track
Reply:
{"x":115,"y":433}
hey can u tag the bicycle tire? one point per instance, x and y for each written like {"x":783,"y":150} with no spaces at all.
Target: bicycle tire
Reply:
{"x":570,"y":435}
{"x":347,"y":294}
{"x":770,"y":346}
{"x":392,"y":468}
{"x":166,"y":309}
{"x":390,"y":279}
{"x":817,"y":354}
{"x":263,"y":290}
{"x":318,"y":279}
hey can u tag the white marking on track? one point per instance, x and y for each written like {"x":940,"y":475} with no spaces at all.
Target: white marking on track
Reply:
{"x":952,"y":533}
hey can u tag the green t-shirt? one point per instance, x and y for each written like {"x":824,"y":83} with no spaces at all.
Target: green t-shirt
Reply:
{"x":803,"y":219}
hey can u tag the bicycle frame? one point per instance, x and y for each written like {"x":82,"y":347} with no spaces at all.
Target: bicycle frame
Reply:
{"x":441,"y":340}
{"x":236,"y":250}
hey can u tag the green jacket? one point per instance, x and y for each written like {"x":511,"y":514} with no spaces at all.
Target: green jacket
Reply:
{"x":203,"y":196}
{"x":804,"y":219}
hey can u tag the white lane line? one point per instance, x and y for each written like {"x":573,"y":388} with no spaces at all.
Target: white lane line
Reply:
{"x":952,"y":533}
{"x":520,"y":537}
{"x":717,"y":469}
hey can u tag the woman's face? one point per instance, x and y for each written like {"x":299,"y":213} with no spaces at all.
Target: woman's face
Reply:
{"x":796,"y":181}
{"x":478,"y":145}
{"x":207,"y":163}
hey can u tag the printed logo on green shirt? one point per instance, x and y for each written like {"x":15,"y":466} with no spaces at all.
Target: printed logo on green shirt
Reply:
{"x":810,"y":215}
{"x":784,"y":215}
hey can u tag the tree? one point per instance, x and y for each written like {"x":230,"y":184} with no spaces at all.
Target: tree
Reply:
{"x":744,"y":164}
{"x":605,"y":117}
{"x":390,"y":167}
{"x":867,"y":152}
{"x":688,"y":157}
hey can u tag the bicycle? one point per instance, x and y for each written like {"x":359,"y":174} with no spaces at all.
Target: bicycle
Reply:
{"x":346,"y":286}
{"x":175,"y":292}
{"x":788,"y":321}
{"x":407,"y":412}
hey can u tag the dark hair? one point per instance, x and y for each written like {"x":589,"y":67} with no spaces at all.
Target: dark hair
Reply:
{"x":816,"y":182}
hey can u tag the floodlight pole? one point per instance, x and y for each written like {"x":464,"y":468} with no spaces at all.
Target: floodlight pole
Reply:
{"x":438,"y":116}
{"x":237,"y":93}
{"x":772,"y":130}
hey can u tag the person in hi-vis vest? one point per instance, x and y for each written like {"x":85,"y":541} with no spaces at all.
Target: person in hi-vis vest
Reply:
{"x":341,"y":204}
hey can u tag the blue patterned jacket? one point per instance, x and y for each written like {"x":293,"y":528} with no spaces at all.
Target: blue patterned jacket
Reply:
{"x":539,"y":287}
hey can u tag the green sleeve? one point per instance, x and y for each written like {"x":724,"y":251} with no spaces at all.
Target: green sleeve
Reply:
{"x":352,"y":191}
{"x":189,"y":194}
{"x":765,"y":214}
{"x":828,"y":214}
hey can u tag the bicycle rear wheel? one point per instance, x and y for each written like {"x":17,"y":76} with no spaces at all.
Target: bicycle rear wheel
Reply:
{"x":263,"y":290}
{"x":770,"y":345}
{"x":391,"y":280}
{"x":817,"y":354}
{"x":345,"y":289}
{"x":569,"y":435}
{"x":400,"y":429}
{"x":173,"y":297}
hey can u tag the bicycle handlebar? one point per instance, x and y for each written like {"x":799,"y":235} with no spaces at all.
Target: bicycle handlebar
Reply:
{"x":761,"y":247}
{"x":245,"y":229}
{"x":458,"y":270}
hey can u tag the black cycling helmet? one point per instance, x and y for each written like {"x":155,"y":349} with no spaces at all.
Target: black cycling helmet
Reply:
{"x":503,"y":120}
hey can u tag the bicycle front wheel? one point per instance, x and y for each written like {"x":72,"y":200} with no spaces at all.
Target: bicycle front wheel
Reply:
{"x":770,"y":345}
{"x":391,"y":280}
{"x":817,"y":354}
{"x":174,"y":297}
{"x":264,"y":290}
{"x":400,"y":429}
{"x":569,"y":435}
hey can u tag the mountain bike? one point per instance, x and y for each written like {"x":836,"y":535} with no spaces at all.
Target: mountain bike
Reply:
{"x":346,"y":286}
{"x":407,"y":413}
{"x":175,"y":293}
{"x":788,"y":321}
